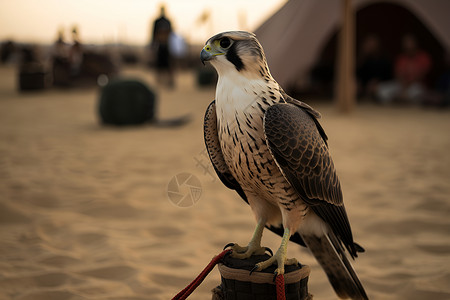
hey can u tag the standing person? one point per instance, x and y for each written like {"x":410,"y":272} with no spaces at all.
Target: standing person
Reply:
{"x":60,"y":49}
{"x":411,"y":68}
{"x":162,"y":29}
{"x":76,"y":53}
{"x":61,"y":61}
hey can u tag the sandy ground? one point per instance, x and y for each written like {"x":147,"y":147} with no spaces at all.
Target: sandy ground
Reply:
{"x":85,"y":213}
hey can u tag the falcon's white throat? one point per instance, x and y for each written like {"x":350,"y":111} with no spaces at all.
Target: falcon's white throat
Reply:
{"x":236,"y":91}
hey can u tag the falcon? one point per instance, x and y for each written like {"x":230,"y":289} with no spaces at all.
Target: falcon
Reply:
{"x":271,"y":149}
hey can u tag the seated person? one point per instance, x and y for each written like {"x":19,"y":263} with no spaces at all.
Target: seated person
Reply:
{"x":411,"y":68}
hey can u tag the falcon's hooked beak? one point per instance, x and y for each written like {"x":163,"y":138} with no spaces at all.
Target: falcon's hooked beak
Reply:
{"x":209,"y":52}
{"x":206,"y":54}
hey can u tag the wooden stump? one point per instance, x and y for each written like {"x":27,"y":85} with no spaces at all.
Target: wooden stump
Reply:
{"x":238,"y":284}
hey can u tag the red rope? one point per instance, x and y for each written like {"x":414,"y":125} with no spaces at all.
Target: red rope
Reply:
{"x":199,"y":279}
{"x":194,"y":284}
{"x":279,"y":280}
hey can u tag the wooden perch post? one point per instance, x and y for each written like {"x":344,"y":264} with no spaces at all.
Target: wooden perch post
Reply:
{"x":345,"y":84}
{"x":238,"y":284}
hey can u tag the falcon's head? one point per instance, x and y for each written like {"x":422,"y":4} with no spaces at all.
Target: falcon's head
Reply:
{"x":236,"y":51}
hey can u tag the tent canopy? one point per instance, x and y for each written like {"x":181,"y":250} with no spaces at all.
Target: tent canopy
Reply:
{"x":294,"y":36}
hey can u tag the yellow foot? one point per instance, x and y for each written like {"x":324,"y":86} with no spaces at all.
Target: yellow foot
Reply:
{"x":280,"y":259}
{"x":247,"y":251}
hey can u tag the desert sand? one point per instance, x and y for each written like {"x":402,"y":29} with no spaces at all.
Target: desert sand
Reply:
{"x":85,"y":212}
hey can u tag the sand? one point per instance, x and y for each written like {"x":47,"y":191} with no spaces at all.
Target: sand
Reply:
{"x":85,"y":213}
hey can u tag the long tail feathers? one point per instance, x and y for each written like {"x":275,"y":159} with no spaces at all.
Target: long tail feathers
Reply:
{"x":331,"y":256}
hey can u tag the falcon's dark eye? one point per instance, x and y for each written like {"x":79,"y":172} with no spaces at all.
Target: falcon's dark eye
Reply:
{"x":225,"y":43}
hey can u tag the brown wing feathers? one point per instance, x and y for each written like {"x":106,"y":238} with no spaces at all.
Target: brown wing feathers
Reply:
{"x":302,"y":155}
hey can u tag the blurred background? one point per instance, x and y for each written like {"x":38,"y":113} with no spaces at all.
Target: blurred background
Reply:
{"x":106,"y":191}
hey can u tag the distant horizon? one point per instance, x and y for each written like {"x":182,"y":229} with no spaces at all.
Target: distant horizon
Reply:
{"x":117,"y":22}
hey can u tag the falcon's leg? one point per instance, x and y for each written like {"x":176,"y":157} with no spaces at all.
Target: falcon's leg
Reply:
{"x":254,"y":246}
{"x":279,"y":257}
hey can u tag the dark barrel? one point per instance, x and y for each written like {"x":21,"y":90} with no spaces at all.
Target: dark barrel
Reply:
{"x":238,"y":284}
{"x":126,"y":102}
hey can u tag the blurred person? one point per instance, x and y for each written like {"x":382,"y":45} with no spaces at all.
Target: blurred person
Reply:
{"x":162,"y":29}
{"x":178,"y":48}
{"x":76,"y":53}
{"x":372,"y":68}
{"x":60,"y":47}
{"x":7,"y":51}
{"x":411,"y":68}
{"x":60,"y":61}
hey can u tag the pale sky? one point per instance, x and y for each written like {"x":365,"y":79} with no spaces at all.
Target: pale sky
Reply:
{"x":105,"y":21}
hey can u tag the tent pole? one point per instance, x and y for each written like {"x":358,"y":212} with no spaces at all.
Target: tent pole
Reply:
{"x":345,"y":88}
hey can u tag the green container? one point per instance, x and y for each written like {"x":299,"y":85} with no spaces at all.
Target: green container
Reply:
{"x":126,"y":102}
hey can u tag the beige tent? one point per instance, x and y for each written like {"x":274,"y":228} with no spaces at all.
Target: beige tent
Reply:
{"x":294,"y":36}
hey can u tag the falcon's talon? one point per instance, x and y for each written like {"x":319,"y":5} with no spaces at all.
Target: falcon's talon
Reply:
{"x":269,"y":250}
{"x":228,"y":245}
{"x":238,"y":249}
{"x":246,"y":252}
{"x":255,"y":268}
{"x":227,"y":254}
{"x":279,"y":258}
{"x":279,"y":271}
